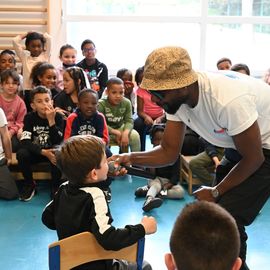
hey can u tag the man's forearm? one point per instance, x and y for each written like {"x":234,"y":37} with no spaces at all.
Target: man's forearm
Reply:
{"x":157,"y":157}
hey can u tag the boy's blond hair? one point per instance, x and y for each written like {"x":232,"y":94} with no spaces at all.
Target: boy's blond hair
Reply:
{"x":78,"y":156}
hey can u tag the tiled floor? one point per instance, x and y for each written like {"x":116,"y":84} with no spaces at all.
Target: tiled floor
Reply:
{"x":24,"y":239}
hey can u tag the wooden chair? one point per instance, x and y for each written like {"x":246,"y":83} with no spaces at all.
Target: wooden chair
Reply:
{"x":186,"y":173}
{"x":83,"y":247}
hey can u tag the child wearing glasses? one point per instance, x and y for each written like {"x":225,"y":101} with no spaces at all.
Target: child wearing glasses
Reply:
{"x":96,"y":71}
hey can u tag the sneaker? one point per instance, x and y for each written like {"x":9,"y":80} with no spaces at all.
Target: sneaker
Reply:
{"x":151,"y":203}
{"x":27,"y":193}
{"x":108,"y":194}
{"x":141,"y":191}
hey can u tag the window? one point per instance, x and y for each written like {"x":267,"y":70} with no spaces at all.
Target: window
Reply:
{"x":126,"y":31}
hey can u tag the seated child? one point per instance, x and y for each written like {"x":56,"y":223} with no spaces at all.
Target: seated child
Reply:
{"x":74,"y":81}
{"x":118,"y":113}
{"x":80,"y":204}
{"x":37,"y":49}
{"x":12,"y":105}
{"x":8,"y":188}
{"x":86,"y":120}
{"x":166,"y":182}
{"x":126,"y":76}
{"x":149,"y":113}
{"x":204,"y":237}
{"x":44,"y":74}
{"x":205,"y":163}
{"x":8,"y":61}
{"x":97,"y":72}
{"x":67,"y":56}
{"x":42,"y":132}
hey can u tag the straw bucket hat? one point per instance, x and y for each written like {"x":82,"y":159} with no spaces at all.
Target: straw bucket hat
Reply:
{"x":168,"y":68}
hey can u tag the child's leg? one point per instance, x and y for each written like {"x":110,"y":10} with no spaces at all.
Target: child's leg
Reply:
{"x":154,"y":187}
{"x":134,"y":141}
{"x":24,"y":158}
{"x":151,"y":200}
{"x":199,"y":166}
{"x":8,"y":187}
{"x":176,"y":192}
{"x":15,"y":143}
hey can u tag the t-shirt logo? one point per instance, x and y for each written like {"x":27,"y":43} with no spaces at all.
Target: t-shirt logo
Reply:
{"x":220,"y":131}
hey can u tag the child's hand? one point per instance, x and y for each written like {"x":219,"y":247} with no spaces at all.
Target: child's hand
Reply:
{"x":128,"y":87}
{"x":63,"y":112}
{"x":19,"y":133}
{"x":118,"y":135}
{"x":50,"y":114}
{"x":167,"y":186}
{"x":148,"y":120}
{"x":124,"y":139}
{"x":158,"y":120}
{"x":149,"y":224}
{"x":49,"y":154}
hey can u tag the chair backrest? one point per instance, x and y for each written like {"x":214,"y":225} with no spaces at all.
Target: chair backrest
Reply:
{"x":83,"y":247}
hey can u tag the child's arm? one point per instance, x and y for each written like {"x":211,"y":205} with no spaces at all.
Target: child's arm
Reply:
{"x":26,"y":138}
{"x":56,"y":127}
{"x":110,"y":237}
{"x":102,"y":128}
{"x":18,"y":47}
{"x":6,"y":143}
{"x":48,"y":45}
{"x":128,"y":121}
{"x":128,"y":124}
{"x":48,"y":216}
{"x":71,"y":129}
{"x":18,"y":123}
{"x":140,"y":104}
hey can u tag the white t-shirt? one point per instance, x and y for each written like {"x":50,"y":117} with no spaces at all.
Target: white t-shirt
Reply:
{"x":3,"y":122}
{"x":229,"y":103}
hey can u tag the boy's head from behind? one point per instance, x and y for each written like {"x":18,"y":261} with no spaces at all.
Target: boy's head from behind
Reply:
{"x":35,"y":43}
{"x":204,"y":236}
{"x":7,"y":60}
{"x":41,"y":99}
{"x":87,"y":102}
{"x":82,"y":159}
{"x":156,"y":134}
{"x":115,"y":90}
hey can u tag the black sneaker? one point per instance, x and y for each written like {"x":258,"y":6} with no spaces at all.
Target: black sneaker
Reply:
{"x":141,"y":191}
{"x":108,"y":194}
{"x":151,"y":203}
{"x":27,"y":193}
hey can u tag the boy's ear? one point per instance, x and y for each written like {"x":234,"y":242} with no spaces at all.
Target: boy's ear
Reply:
{"x":92,"y":176}
{"x":169,"y":261}
{"x":33,"y":106}
{"x":237,"y":264}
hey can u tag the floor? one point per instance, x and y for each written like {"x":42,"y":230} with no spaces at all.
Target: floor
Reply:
{"x":24,"y":239}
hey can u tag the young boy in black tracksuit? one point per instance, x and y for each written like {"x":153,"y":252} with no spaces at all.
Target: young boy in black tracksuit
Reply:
{"x":42,"y":131}
{"x":86,"y":120}
{"x":80,"y":205}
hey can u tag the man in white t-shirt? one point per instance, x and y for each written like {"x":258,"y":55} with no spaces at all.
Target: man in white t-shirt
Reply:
{"x":8,"y":188}
{"x":227,"y":109}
